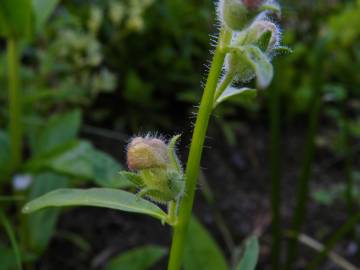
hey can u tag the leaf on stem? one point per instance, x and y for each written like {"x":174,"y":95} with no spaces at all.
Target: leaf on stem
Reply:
{"x":244,"y":93}
{"x":98,"y":197}
{"x":262,"y":67}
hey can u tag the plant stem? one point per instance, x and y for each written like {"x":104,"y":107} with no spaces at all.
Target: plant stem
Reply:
{"x":305,"y":174}
{"x":338,"y":235}
{"x":224,"y":84}
{"x":193,"y":163}
{"x":275,"y":176}
{"x":15,"y":106}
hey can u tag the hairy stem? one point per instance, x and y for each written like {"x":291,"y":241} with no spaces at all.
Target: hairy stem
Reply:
{"x":15,"y":111}
{"x":193,"y":163}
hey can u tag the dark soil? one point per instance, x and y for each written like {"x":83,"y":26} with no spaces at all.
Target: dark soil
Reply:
{"x":238,"y":177}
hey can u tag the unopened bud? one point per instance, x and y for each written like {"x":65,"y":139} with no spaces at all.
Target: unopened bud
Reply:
{"x":233,"y":13}
{"x":257,"y":30}
{"x":146,"y":153}
{"x":236,"y":14}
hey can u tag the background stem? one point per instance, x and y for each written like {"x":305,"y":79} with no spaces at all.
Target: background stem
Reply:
{"x":193,"y":163}
{"x":275,"y":176}
{"x":305,"y":174}
{"x":337,"y":236}
{"x":15,"y":104}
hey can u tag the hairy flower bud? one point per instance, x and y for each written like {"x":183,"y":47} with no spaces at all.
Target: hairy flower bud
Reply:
{"x":145,"y":153}
{"x":233,"y":13}
{"x":236,"y":14}
{"x":255,"y":34}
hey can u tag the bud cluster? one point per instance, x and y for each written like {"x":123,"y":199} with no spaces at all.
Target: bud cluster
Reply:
{"x":155,"y":168}
{"x":255,"y":38}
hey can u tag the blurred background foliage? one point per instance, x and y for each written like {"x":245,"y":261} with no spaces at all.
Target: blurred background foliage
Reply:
{"x":138,"y":65}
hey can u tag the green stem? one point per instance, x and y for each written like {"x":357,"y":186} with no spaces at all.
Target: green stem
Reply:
{"x":305,"y":174}
{"x":15,"y":105}
{"x":339,"y":234}
{"x":275,"y":176}
{"x":193,"y":163}
{"x":172,"y":212}
{"x":229,"y":77}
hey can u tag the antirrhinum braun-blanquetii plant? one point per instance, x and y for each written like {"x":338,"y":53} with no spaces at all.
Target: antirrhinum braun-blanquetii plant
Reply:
{"x":248,"y":40}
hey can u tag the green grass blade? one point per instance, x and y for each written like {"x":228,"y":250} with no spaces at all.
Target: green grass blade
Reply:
{"x":99,"y":197}
{"x":11,"y":234}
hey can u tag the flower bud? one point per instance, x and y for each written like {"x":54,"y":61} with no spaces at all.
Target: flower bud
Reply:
{"x":233,"y":14}
{"x":257,"y":30}
{"x":236,"y":14}
{"x":145,"y":153}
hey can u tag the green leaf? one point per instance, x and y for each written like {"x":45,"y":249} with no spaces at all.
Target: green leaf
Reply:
{"x":60,"y":129}
{"x":244,"y":93}
{"x":137,"y":259}
{"x":99,"y":197}
{"x":15,"y":18}
{"x":251,"y":254}
{"x":41,"y":225}
{"x":11,"y":234}
{"x":4,"y":154}
{"x":263,"y":68}
{"x":43,"y":10}
{"x":201,"y":251}
{"x":81,"y":160}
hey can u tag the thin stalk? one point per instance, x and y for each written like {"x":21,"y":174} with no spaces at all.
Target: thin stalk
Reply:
{"x":193,"y":163}
{"x":275,"y":176}
{"x":229,"y":77}
{"x":338,"y":235}
{"x":15,"y":104}
{"x":302,"y":195}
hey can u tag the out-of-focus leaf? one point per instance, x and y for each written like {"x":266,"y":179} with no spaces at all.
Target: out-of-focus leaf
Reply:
{"x":263,"y":68}
{"x":99,"y":197}
{"x":4,"y":154}
{"x":11,"y":234}
{"x":43,"y":10}
{"x":8,"y":258}
{"x":251,"y":254}
{"x":15,"y":18}
{"x":137,"y":259}
{"x":244,"y":93}
{"x":201,"y":251}
{"x":60,"y":129}
{"x":81,"y":160}
{"x":41,"y":224}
